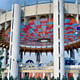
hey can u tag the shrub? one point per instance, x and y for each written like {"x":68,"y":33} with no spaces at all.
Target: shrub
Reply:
{"x":71,"y":78}
{"x":64,"y":78}
{"x":38,"y":78}
{"x":11,"y":78}
{"x":21,"y":79}
{"x":5,"y":78}
{"x":32,"y":78}
{"x":45,"y":78}
{"x":26,"y":78}
{"x":52,"y":78}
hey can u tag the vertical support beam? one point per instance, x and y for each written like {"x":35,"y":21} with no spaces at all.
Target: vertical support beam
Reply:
{"x":58,"y":38}
{"x":51,"y":75}
{"x":14,"y":41}
{"x":43,"y":75}
{"x":23,"y":53}
{"x":33,"y":74}
{"x":56,"y":53}
{"x":77,"y":16}
{"x":75,"y":75}
{"x":4,"y":59}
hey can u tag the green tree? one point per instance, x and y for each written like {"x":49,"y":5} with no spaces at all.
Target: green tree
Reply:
{"x":21,"y":79}
{"x":57,"y":79}
{"x":11,"y":78}
{"x":5,"y":78}
{"x":45,"y":78}
{"x":64,"y":78}
{"x":52,"y":78}
{"x":26,"y":78}
{"x":32,"y":78}
{"x":71,"y":78}
{"x":38,"y":78}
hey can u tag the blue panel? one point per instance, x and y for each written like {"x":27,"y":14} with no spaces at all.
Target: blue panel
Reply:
{"x":51,"y":29}
{"x":43,"y":1}
{"x":37,"y":22}
{"x":32,"y":25}
{"x":30,"y":2}
{"x":69,"y":1}
{"x":66,"y":25}
{"x":39,"y":30}
{"x":66,"y":20}
{"x":79,"y":1}
{"x":78,"y":28}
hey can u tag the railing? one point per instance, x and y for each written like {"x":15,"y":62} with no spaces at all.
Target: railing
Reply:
{"x":70,"y":67}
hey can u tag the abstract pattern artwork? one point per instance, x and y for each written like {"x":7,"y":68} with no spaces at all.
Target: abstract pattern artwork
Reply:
{"x":33,"y":30}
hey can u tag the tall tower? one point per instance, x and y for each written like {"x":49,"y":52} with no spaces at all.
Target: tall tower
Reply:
{"x":58,"y":38}
{"x":14,"y":41}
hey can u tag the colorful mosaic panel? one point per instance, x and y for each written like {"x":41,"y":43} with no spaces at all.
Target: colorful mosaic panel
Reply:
{"x":34,"y":30}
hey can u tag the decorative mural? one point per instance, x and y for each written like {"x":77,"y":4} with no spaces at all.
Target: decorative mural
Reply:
{"x":34,"y":30}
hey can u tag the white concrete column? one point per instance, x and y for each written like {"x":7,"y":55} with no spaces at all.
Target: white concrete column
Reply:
{"x":76,"y":1}
{"x":75,"y":75}
{"x":58,"y":38}
{"x":4,"y":59}
{"x":15,"y":40}
{"x":69,"y":54}
{"x":79,"y":51}
{"x":52,"y":75}
{"x":56,"y":51}
{"x":76,"y":56}
{"x":23,"y":53}
{"x":43,"y":75}
{"x":77,"y":16}
{"x":66,"y":54}
{"x":61,"y":39}
{"x":33,"y":74}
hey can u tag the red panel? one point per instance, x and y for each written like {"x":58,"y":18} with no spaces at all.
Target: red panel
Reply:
{"x":20,"y":75}
{"x":23,"y":76}
{"x":36,"y":75}
{"x":30,"y":75}
{"x":46,"y":74}
{"x":39,"y":75}
{"x":70,"y":74}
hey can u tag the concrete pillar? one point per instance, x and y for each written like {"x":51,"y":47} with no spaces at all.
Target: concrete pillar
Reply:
{"x":69,"y":54}
{"x":23,"y":54}
{"x":77,"y":16}
{"x":4,"y":59}
{"x":58,"y":38}
{"x":23,"y":57}
{"x":43,"y":75}
{"x":15,"y":41}
{"x":52,"y":75}
{"x":66,"y":54}
{"x":33,"y":74}
{"x":75,"y":75}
